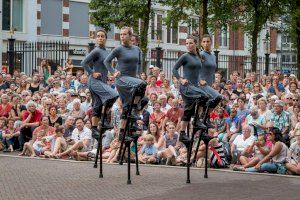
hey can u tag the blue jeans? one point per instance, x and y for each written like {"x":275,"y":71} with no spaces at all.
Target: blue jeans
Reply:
{"x":269,"y":167}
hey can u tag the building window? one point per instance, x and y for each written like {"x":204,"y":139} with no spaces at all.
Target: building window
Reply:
{"x":156,"y":27}
{"x":223,"y":37}
{"x":79,"y":19}
{"x":172,"y":35}
{"x":16,"y":6}
{"x":51,"y":17}
{"x":193,"y":25}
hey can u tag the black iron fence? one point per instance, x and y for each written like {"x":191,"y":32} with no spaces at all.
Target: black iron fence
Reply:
{"x":226,"y":63}
{"x":26,"y":56}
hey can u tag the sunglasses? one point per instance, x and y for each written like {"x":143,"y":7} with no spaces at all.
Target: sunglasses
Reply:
{"x":109,"y":80}
{"x":295,"y":99}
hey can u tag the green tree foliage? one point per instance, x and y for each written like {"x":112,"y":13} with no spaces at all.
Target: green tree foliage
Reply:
{"x":293,"y":26}
{"x":124,"y":13}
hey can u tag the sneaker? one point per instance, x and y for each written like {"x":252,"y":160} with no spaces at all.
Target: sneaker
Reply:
{"x":185,"y":139}
{"x":200,"y":125}
{"x":209,"y":124}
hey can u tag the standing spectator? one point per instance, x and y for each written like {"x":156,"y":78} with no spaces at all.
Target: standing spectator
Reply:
{"x":69,"y":66}
{"x":31,"y":119}
{"x":45,"y":69}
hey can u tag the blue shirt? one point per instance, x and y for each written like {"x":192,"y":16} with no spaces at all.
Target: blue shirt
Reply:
{"x":280,"y":88}
{"x":149,"y":150}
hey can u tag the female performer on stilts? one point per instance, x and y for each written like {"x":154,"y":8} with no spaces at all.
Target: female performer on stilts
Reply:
{"x":189,"y":85}
{"x":128,"y":60}
{"x":102,"y":94}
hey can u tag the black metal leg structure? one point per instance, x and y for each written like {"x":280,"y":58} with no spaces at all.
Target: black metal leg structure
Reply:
{"x":190,"y":146}
{"x":202,"y":136}
{"x":99,"y":147}
{"x":128,"y":137}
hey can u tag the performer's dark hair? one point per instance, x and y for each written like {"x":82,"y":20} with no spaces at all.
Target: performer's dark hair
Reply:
{"x":103,"y":31}
{"x":206,"y":36}
{"x":127,"y":28}
{"x":196,"y":42}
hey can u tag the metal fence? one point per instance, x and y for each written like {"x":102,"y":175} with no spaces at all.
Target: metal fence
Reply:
{"x":226,"y":63}
{"x":26,"y":56}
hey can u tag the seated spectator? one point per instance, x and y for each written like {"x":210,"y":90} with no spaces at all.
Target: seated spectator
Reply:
{"x":241,"y":144}
{"x":174,"y":114}
{"x":164,"y":105}
{"x":277,"y":88}
{"x":31,"y":119}
{"x":37,"y":148}
{"x":77,"y":112}
{"x":80,"y":140}
{"x":165,"y":88}
{"x":274,"y":161}
{"x":83,"y":83}
{"x":293,"y":164}
{"x":294,"y":115}
{"x":168,"y":144}
{"x":281,"y":120}
{"x":154,"y":130}
{"x":217,"y":157}
{"x":69,"y":127}
{"x":149,"y":151}
{"x":294,"y":131}
{"x":152,"y":87}
{"x":54,"y":118}
{"x":5,"y":106}
{"x":233,"y":127}
{"x":256,"y":121}
{"x":263,"y":109}
{"x":257,"y":151}
{"x":10,"y":135}
{"x":157,"y":116}
{"x":242,"y":111}
{"x":220,"y":124}
{"x":58,"y":142}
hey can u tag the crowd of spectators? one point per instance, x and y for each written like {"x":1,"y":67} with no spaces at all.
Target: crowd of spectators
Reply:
{"x":257,"y":124}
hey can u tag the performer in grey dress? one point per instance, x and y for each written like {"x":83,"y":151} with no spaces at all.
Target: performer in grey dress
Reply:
{"x":102,"y":94}
{"x":189,"y":83}
{"x":207,"y":73}
{"x":128,"y":63}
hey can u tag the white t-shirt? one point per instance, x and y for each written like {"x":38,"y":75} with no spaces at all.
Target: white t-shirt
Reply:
{"x":241,"y":144}
{"x":85,"y":134}
{"x":295,"y":151}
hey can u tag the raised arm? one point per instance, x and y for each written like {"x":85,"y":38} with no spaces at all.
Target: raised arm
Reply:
{"x":176,"y":67}
{"x":107,"y":62}
{"x":87,"y":61}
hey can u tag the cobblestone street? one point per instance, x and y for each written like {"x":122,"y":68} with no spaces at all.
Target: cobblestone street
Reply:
{"x":53,"y":179}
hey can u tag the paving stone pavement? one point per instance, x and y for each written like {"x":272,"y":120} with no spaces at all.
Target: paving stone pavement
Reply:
{"x":24,"y":178}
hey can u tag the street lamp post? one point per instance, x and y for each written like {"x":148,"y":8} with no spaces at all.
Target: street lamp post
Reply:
{"x":158,"y":54}
{"x":11,"y":51}
{"x":217,"y":57}
{"x":267,"y":53}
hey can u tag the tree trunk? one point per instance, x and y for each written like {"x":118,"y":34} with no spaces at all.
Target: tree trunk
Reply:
{"x":254,"y":44}
{"x":144,"y":35}
{"x":205,"y":16}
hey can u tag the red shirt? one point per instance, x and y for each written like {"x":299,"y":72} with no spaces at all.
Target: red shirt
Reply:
{"x":174,"y":114}
{"x":36,"y":116}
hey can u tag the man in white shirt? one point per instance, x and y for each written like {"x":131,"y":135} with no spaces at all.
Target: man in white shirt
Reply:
{"x":241,"y":143}
{"x":80,"y":139}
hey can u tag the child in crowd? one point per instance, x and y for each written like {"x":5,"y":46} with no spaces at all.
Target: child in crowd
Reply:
{"x":37,"y":148}
{"x":220,"y":124}
{"x":52,"y":139}
{"x":295,"y":130}
{"x":149,"y":151}
{"x":258,"y":150}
